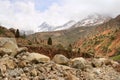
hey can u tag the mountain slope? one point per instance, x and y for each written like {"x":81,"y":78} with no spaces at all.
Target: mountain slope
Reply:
{"x":92,"y":20}
{"x":69,"y":36}
{"x":44,"y":27}
{"x":65,"y":26}
{"x":4,"y":32}
{"x":106,"y":42}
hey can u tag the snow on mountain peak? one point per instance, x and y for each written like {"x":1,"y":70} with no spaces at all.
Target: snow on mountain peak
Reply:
{"x":46,"y":27}
{"x":66,"y":26}
{"x":92,"y":20}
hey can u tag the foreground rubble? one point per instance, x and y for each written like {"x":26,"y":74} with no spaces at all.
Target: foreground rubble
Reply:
{"x":34,"y":66}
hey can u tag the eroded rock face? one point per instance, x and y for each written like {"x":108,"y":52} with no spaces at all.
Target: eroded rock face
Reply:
{"x":60,"y":59}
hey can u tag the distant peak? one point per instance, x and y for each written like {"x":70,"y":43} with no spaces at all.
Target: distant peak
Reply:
{"x":118,"y":18}
{"x":92,"y":20}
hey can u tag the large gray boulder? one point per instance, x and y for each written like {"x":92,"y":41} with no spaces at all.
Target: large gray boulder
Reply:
{"x":104,"y":62}
{"x":37,"y":57}
{"x":101,"y":62}
{"x":79,"y":63}
{"x":9,"y":46}
{"x":3,"y":40}
{"x":60,"y":59}
{"x":4,"y":51}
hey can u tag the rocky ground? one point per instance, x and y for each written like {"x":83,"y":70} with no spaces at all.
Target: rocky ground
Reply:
{"x":19,"y":64}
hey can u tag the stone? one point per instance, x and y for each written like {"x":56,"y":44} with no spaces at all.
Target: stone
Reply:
{"x":10,"y":64}
{"x":22,"y":64}
{"x":4,"y":51}
{"x":9,"y":43}
{"x":22,"y":49}
{"x":79,"y":63}
{"x":71,"y":77}
{"x":38,"y":57}
{"x":34,"y":72}
{"x":101,"y":62}
{"x":2,"y":69}
{"x":3,"y":40}
{"x":60,"y":59}
{"x":114,"y":63}
{"x":97,"y":62}
{"x":15,"y":72}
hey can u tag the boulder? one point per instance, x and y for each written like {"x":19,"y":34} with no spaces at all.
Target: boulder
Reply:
{"x":60,"y":59}
{"x":9,"y":44}
{"x":71,"y":77}
{"x":22,"y":64}
{"x":33,"y":72}
{"x":10,"y":63}
{"x":2,"y":69}
{"x":22,"y":49}
{"x":101,"y":62}
{"x":3,"y":40}
{"x":37,"y":57}
{"x":4,"y":51}
{"x":79,"y":63}
{"x":114,"y":63}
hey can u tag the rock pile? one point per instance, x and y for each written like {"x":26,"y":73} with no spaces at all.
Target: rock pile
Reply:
{"x":34,"y":66}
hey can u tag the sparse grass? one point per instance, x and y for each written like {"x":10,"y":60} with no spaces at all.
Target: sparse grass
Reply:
{"x":2,"y":31}
{"x":116,"y":57}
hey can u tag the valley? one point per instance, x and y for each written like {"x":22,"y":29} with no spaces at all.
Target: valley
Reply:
{"x":84,"y":50}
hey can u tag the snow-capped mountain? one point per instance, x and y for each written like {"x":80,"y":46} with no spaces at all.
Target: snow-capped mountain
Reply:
{"x":66,"y":26}
{"x":46,"y":27}
{"x":92,"y":20}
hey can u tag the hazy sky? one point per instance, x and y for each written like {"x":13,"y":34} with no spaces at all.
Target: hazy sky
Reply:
{"x":29,"y":14}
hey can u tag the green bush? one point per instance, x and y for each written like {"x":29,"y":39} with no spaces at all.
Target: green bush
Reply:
{"x":29,"y":43}
{"x":116,"y":57}
{"x":60,"y":47}
{"x":2,"y":31}
{"x":112,"y":37}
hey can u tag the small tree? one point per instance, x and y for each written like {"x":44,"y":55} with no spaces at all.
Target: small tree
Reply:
{"x":70,"y":48}
{"x":24,"y":35}
{"x":17,"y":34}
{"x":49,"y":41}
{"x":78,"y":50}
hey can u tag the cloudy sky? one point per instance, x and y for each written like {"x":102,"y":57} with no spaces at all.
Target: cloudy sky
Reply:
{"x":29,"y":14}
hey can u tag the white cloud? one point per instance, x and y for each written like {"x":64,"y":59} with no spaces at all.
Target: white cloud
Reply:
{"x":22,"y":14}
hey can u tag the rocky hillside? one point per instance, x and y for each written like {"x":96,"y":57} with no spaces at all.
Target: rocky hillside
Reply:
{"x":64,"y":37}
{"x":4,"y":32}
{"x":73,"y":34}
{"x":19,"y":64}
{"x":106,"y":42}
